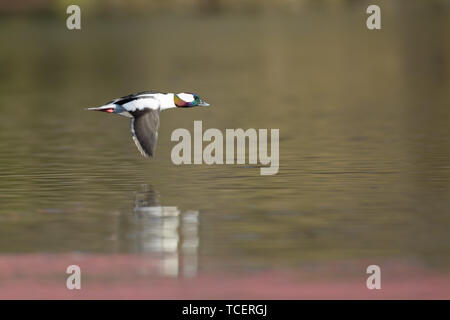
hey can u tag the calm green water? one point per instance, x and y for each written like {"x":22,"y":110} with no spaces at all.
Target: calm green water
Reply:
{"x":364,"y":139}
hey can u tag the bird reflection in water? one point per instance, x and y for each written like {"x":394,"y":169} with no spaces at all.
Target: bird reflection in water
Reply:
{"x":167,"y":232}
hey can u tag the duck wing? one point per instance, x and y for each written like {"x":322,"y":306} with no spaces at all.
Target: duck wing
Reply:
{"x":144,"y":130}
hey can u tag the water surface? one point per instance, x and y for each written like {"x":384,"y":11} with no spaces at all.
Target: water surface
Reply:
{"x":364,"y":140}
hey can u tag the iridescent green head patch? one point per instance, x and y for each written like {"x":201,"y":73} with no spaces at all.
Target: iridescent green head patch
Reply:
{"x":186,"y":100}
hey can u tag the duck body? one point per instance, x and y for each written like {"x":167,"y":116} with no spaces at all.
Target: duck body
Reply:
{"x":143,"y":108}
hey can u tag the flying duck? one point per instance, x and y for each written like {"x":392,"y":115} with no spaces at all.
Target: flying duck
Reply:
{"x":143,"y":108}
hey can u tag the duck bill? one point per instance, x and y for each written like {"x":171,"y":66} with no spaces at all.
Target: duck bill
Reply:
{"x":203,"y":104}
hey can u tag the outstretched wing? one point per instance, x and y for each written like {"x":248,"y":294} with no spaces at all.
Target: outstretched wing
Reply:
{"x":144,"y":130}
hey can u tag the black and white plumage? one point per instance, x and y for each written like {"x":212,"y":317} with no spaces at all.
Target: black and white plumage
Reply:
{"x":143,"y":108}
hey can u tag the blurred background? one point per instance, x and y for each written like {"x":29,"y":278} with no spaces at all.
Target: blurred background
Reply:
{"x":364,"y":136}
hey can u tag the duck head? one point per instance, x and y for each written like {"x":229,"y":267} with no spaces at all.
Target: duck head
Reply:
{"x":188,"y":100}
